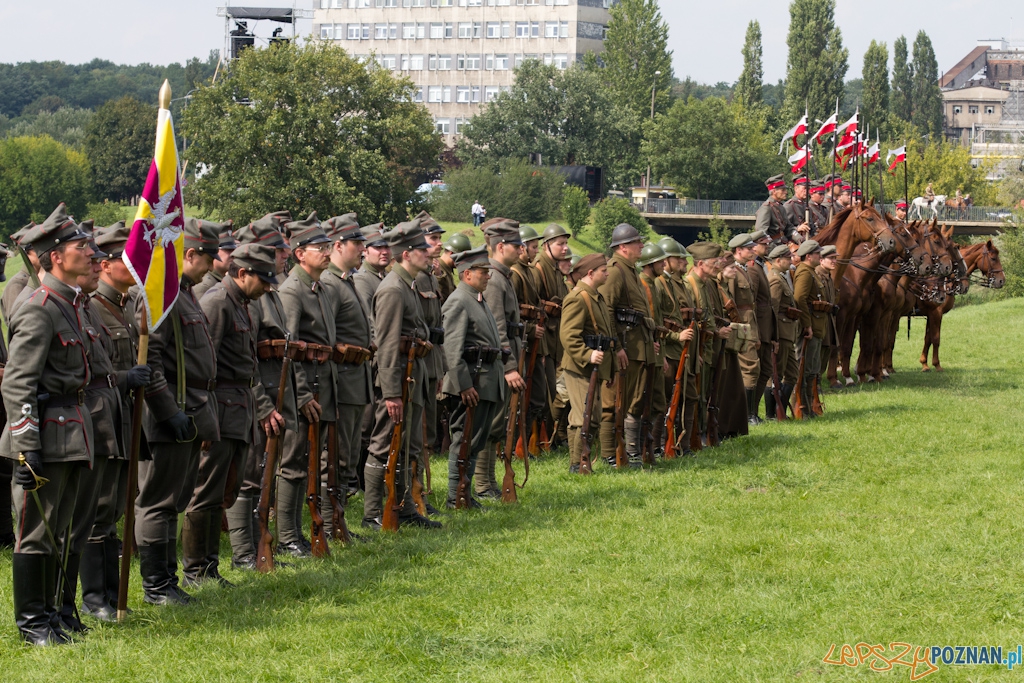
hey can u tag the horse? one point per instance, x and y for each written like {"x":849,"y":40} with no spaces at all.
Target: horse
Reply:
{"x":852,"y":226}
{"x":959,"y":206}
{"x":920,"y":203}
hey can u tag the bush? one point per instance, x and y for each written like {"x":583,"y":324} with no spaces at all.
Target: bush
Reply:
{"x":106,"y":213}
{"x":575,"y":208}
{"x":518,"y":191}
{"x":1011,"y":253}
{"x":718,"y":230}
{"x":37,"y":173}
{"x":612,"y":211}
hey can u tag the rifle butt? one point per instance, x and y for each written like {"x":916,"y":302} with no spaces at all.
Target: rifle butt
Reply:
{"x":389,"y":515}
{"x":462,"y":493}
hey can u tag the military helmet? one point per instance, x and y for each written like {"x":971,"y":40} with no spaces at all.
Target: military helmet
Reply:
{"x":624,"y":233}
{"x":527,"y":234}
{"x":457,"y":243}
{"x":651,"y":253}
{"x":574,"y":259}
{"x":551,"y":232}
{"x":672,"y":248}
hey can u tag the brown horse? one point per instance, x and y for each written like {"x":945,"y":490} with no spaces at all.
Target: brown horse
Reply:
{"x":853,"y":226}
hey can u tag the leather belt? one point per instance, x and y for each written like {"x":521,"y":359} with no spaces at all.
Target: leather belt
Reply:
{"x":104,"y":382}
{"x":201,"y":384}
{"x":553,"y":309}
{"x":744,"y":308}
{"x":318,"y":353}
{"x":65,"y":400}
{"x":236,"y":384}
{"x":273,"y":349}
{"x":483,"y":354}
{"x":422,"y":347}
{"x":349,"y":354}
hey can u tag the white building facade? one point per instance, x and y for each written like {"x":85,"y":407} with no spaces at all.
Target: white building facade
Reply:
{"x":461,"y":53}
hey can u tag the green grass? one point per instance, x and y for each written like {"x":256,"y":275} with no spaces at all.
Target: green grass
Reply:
{"x":893,"y":518}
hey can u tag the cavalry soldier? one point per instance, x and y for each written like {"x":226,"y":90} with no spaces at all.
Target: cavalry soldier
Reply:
{"x":584,"y":318}
{"x":475,"y":371}
{"x":222,"y":466}
{"x":220,"y":267}
{"x":808,"y":293}
{"x":447,"y":278}
{"x":636,"y":346}
{"x":268,"y":322}
{"x":800,"y":222}
{"x":524,"y":284}
{"x":554,"y":249}
{"x":680,"y":300}
{"x":830,"y":344}
{"x":504,"y":245}
{"x":819,"y":212}
{"x":771,"y":216}
{"x":901,"y":210}
{"x":845,"y":199}
{"x":787,"y":316}
{"x":767,"y":331}
{"x":742,"y":290}
{"x":430,"y":298}
{"x":309,"y":317}
{"x":49,"y":431}
{"x":182,"y":416}
{"x":397,"y":313}
{"x":355,"y":381}
{"x":652,"y":265}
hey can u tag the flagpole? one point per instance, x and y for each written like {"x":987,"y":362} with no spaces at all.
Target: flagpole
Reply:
{"x":906,"y":183}
{"x":128,"y":538}
{"x":831,"y":195}
{"x":807,"y":167}
{"x":881,"y":180}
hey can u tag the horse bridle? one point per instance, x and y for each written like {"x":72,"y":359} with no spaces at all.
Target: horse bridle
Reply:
{"x":987,"y":270}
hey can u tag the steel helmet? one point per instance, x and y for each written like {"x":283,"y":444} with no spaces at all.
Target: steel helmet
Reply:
{"x":527,"y":234}
{"x":551,"y":232}
{"x":672,"y":248}
{"x":651,"y":253}
{"x":624,"y":233}
{"x":457,"y":243}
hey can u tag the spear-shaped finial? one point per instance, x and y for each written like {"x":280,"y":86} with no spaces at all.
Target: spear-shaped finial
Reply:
{"x":165,"y":95}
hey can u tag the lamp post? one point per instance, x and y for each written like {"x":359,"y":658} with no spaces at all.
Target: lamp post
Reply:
{"x":654,"y":87}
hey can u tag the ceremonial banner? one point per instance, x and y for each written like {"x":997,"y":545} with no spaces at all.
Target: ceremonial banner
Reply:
{"x":154,"y":250}
{"x":901,"y":156}
{"x":799,"y":129}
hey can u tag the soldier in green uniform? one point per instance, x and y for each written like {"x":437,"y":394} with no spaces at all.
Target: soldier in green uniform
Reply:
{"x":554,"y":250}
{"x":680,"y":311}
{"x":634,"y":329}
{"x":475,"y":374}
{"x":429,"y":291}
{"x":181,"y":415}
{"x":652,"y":265}
{"x":742,"y":289}
{"x":6,"y":466}
{"x":808,"y":293}
{"x":771,"y":216}
{"x":584,"y":316}
{"x":309,"y":317}
{"x":23,"y":278}
{"x":830,"y":344}
{"x":53,"y":435}
{"x":524,"y":284}
{"x":819,"y":212}
{"x":787,"y":316}
{"x":397,"y":313}
{"x":220,"y":267}
{"x":767,"y":331}
{"x":505,"y":244}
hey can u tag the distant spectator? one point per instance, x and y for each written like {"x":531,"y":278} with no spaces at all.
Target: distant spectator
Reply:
{"x":478,"y":214}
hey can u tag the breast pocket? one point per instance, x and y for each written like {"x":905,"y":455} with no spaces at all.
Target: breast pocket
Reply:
{"x":193,"y":331}
{"x":72,"y":352}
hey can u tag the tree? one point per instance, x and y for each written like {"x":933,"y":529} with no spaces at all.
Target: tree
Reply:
{"x":308,"y":128}
{"x":817,"y":63}
{"x":575,"y":208}
{"x":66,"y":125}
{"x":901,"y":101}
{"x":612,"y":211}
{"x":517,"y":190}
{"x":927,"y":98}
{"x":710,"y":149}
{"x":875,"y":103}
{"x":38,"y":173}
{"x":635,"y":48}
{"x":748,"y":89}
{"x":119,"y":142}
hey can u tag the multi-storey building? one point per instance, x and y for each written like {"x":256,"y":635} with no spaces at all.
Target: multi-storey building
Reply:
{"x":461,"y":53}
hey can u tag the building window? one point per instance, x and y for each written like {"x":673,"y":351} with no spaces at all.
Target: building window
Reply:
{"x":956,"y":109}
{"x":563,"y":29}
{"x":441,"y":3}
{"x":497,"y":62}
{"x":380,"y":32}
{"x":972,"y":109}
{"x":497,"y":3}
{"x":446,"y":93}
{"x":358,"y":4}
{"x":417,"y":94}
{"x":415,"y":62}
{"x":561,"y":61}
{"x":470,"y":3}
{"x":388,"y":61}
{"x":366,"y":29}
{"x":465,"y":29}
{"x":493,"y":29}
{"x":462,"y":94}
{"x":551,"y":29}
{"x":490,"y":92}
{"x":535,"y":29}
{"x":556,"y":2}
{"x":468,"y":62}
{"x":434,"y":93}
{"x":522,"y":29}
{"x":990,"y":110}
{"x":326,"y":31}
{"x":387,"y":3}
{"x":442,"y":126}
{"x":414,"y":3}
{"x":460,"y":126}
{"x":474,"y":93}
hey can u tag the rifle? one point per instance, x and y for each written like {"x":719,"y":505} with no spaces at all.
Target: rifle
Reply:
{"x":462,"y":494}
{"x":713,"y":439}
{"x":646,"y":432}
{"x":271,"y":454}
{"x":508,"y":484}
{"x":316,"y":521}
{"x":677,"y":397}
{"x":33,"y":279}
{"x":530,"y":444}
{"x":595,"y":342}
{"x":798,"y":405}
{"x":389,"y":518}
{"x":339,"y":528}
{"x":695,"y":444}
{"x":621,"y":462}
{"x":780,"y":408}
{"x":817,"y":407}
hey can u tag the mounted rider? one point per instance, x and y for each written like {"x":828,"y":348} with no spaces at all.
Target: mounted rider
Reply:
{"x":771,"y":216}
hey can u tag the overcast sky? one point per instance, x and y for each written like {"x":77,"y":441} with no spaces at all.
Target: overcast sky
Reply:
{"x":705,"y":37}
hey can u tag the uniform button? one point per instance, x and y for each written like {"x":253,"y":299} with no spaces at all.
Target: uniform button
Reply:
{"x":60,"y":419}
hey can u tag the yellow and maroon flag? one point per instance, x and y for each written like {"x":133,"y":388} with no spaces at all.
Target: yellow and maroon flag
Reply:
{"x":154,"y":250}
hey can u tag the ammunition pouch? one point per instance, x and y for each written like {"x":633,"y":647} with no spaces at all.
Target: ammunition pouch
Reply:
{"x":690,"y":313}
{"x":436,"y":335}
{"x":349,"y":354}
{"x":673,"y":326}
{"x":273,"y":349}
{"x":481,"y":354}
{"x":318,"y":353}
{"x":517,"y":330}
{"x":598,"y":342}
{"x":791,"y":312}
{"x":553,"y":309}
{"x":822,"y":306}
{"x":528,"y":312}
{"x":629,"y":317}
{"x":421,"y":348}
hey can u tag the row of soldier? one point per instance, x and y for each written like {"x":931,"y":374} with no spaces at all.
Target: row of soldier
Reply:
{"x":368,"y":329}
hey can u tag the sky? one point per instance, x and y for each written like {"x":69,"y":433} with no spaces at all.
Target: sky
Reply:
{"x":705,"y":37}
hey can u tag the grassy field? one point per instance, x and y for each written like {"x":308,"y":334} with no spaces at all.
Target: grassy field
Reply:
{"x":892,"y":519}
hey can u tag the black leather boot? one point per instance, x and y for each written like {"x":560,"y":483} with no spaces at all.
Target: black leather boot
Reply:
{"x":157,"y":584}
{"x":213,"y":548}
{"x":194,"y":548}
{"x":112,"y":570}
{"x":769,"y":403}
{"x":29,"y":573}
{"x":93,"y":576}
{"x":68,"y":620}
{"x":52,"y":614}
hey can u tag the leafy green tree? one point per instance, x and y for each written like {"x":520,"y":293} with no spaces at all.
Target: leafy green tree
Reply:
{"x":749,"y":88}
{"x":65,"y":125}
{"x":817,"y":63}
{"x":575,"y":208}
{"x":718,"y":230}
{"x":36,"y":174}
{"x":709,"y":149}
{"x":517,"y":190}
{"x":308,"y":128}
{"x":612,"y":211}
{"x":875,"y":104}
{"x":635,"y":49}
{"x":902,"y":99}
{"x":927,"y":97}
{"x":119,"y":142}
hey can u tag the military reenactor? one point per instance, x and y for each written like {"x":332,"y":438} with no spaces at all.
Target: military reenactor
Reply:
{"x":524,"y":283}
{"x":833,"y":186}
{"x":23,"y":278}
{"x":355,"y":382}
{"x":634,"y":329}
{"x":763,"y":311}
{"x":309,"y":317}
{"x":48,"y":439}
{"x":742,"y":290}
{"x":430,"y":298}
{"x":220,"y":268}
{"x":182,"y":416}
{"x":830,"y":343}
{"x":554,"y":249}
{"x":586,"y":318}
{"x":397,"y":314}
{"x":808,"y":293}
{"x":788,"y":320}
{"x":652,"y":265}
{"x":6,"y":466}
{"x":819,"y":212}
{"x":771,"y":216}
{"x":682,"y":311}
{"x":845,"y":199}
{"x":447,"y":278}
{"x":504,"y":244}
{"x":901,"y":210}
{"x":475,"y":371}
{"x":800,"y":223}
{"x":727,"y":379}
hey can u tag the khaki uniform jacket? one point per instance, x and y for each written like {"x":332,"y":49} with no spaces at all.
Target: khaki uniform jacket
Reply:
{"x":49,"y":340}
{"x":684,"y":299}
{"x":622,"y":290}
{"x":550,"y":287}
{"x":234,"y":340}
{"x":208,"y":282}
{"x":524,"y":284}
{"x":782,"y":296}
{"x":397,"y":313}
{"x":501,"y":299}
{"x":309,"y":315}
{"x":468,"y":322}
{"x":819,"y":217}
{"x":807,"y":288}
{"x":576,"y":322}
{"x":830,"y":295}
{"x":708,"y":299}
{"x":200,"y":366}
{"x":738,"y":289}
{"x":367,"y":279}
{"x":352,"y":326}
{"x":795,"y":212}
{"x":771,"y":217}
{"x":15,"y":284}
{"x":430,"y":300}
{"x":268,"y":319}
{"x":118,"y":315}
{"x":655,"y":308}
{"x":763,"y":311}
{"x":447,"y":280}
{"x":103,"y":397}
{"x":667,"y":293}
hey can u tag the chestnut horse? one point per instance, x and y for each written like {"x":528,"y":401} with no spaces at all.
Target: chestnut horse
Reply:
{"x":852,"y":226}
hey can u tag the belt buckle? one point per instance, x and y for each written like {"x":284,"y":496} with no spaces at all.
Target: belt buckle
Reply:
{"x":112,"y":381}
{"x":81,"y":397}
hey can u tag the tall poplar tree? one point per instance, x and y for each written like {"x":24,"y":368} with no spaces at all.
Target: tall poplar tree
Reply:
{"x":927,"y":98}
{"x":636,"y":47}
{"x":902,"y":98}
{"x":875,"y":100}
{"x":817,"y":64}
{"x":748,"y":89}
